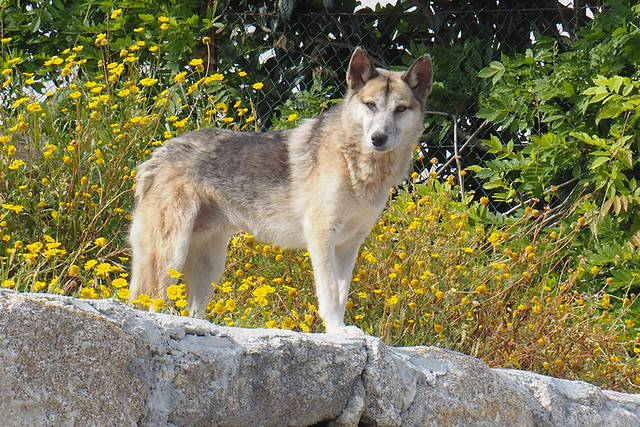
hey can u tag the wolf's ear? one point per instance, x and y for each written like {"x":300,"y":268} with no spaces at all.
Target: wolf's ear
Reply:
{"x":419,"y":77}
{"x":360,"y":70}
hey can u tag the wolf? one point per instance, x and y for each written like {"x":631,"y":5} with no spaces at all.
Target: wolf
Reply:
{"x":320,"y":186}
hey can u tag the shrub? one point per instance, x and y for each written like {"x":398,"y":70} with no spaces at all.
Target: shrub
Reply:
{"x":574,"y":110}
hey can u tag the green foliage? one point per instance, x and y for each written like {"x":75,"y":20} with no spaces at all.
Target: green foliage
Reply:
{"x":576,"y":114}
{"x":303,"y":104}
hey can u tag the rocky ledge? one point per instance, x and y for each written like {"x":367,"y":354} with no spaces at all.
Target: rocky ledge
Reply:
{"x":65,"y":361}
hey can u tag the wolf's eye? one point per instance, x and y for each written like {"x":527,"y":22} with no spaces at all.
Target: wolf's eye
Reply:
{"x":371,"y":105}
{"x":401,"y":109}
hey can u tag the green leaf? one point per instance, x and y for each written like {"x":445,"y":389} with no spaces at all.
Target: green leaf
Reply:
{"x":553,"y":118}
{"x":529,"y":57}
{"x":35,"y":25}
{"x":616,"y":83}
{"x":147,"y":17}
{"x":487,"y":72}
{"x":495,"y":70}
{"x":509,"y":147}
{"x":591,"y":140}
{"x":598,"y":93}
{"x":599,"y":161}
{"x":494,"y":144}
{"x":628,"y":89}
{"x":610,"y":111}
{"x":497,"y":65}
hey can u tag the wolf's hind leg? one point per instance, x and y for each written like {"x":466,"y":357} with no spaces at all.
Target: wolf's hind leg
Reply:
{"x":160,"y":238}
{"x":204,"y":265}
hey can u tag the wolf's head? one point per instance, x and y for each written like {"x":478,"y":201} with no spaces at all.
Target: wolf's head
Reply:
{"x":388,"y":105}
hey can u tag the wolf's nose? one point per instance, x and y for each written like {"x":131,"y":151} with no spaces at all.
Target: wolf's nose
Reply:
{"x":378,"y":139}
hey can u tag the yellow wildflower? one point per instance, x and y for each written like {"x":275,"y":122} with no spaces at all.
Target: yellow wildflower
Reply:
{"x":263,"y":291}
{"x":180,"y":77}
{"x":119,"y":282}
{"x":19,"y":101}
{"x":218,"y":308}
{"x":148,"y":82}
{"x":174,"y":274}
{"x":101,"y":40}
{"x":272,"y":324}
{"x":103,"y":269}
{"x":16,"y":164}
{"x":123,"y":293}
{"x":230,"y":305}
{"x":145,"y":300}
{"x":89,"y":293}
{"x":14,"y":208}
{"x":176,"y":292}
{"x":494,"y":238}
{"x":288,"y":323}
{"x":197,"y":64}
{"x":34,"y":107}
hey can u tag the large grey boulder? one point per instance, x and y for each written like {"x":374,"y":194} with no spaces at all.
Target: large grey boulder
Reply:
{"x":65,"y":361}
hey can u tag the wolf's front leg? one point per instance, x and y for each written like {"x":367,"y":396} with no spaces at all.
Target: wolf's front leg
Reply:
{"x":331,"y":287}
{"x":346,"y":255}
{"x":321,"y":247}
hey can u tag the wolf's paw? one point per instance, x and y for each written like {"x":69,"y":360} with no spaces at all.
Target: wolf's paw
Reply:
{"x":353,"y":331}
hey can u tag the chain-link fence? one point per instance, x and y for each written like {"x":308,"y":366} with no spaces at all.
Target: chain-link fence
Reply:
{"x":289,"y":55}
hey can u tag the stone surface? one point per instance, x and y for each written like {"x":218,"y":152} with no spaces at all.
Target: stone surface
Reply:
{"x":65,"y":361}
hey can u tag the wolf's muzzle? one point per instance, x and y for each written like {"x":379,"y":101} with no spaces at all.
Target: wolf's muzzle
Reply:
{"x":378,"y":140}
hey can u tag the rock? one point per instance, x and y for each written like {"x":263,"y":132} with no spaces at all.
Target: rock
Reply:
{"x":65,"y":361}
